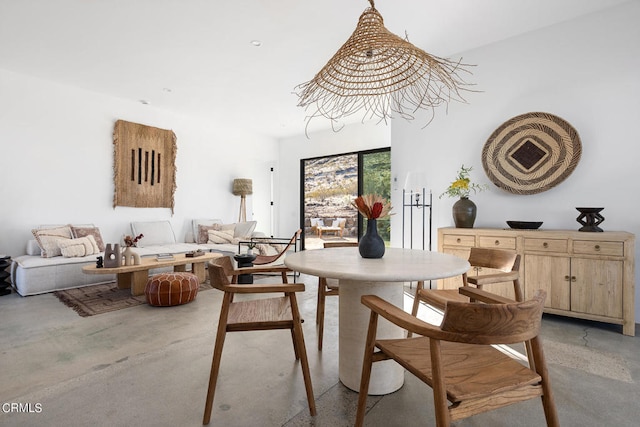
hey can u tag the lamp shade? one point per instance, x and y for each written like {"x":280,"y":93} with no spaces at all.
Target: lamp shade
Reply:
{"x":242,"y":187}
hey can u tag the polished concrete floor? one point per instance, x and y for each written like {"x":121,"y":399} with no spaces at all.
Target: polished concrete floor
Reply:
{"x":146,"y":366}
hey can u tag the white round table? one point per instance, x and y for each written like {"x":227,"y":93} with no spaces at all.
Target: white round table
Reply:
{"x":383,"y":277}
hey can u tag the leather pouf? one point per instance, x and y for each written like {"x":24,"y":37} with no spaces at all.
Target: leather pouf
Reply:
{"x":168,"y":289}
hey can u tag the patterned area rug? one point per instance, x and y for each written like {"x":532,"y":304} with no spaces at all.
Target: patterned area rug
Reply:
{"x":97,"y":299}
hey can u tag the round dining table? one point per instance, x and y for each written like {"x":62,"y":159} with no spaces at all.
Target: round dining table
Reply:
{"x":384,"y":277}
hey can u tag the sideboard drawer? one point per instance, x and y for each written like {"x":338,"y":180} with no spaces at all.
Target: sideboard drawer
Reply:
{"x":592,"y":247}
{"x":546,"y":245}
{"x":459,"y":240}
{"x":497,"y":242}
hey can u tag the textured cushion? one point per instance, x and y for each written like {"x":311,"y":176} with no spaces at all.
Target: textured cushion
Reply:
{"x":88,"y":231}
{"x":82,"y":246}
{"x":337,"y":222}
{"x":168,"y":289}
{"x":220,"y":236}
{"x":154,"y":232}
{"x":203,"y":233}
{"x":196,"y":223}
{"x":48,"y":239}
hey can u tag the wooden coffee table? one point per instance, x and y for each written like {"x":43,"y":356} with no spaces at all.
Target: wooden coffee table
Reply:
{"x":135,"y":277}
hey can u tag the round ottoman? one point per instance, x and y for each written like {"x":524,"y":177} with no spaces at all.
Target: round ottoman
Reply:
{"x":168,"y":289}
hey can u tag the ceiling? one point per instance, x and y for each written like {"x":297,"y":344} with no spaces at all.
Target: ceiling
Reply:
{"x":195,"y":57}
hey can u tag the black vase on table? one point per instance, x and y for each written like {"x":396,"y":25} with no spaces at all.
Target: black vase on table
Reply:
{"x":464,"y":213}
{"x":371,"y":244}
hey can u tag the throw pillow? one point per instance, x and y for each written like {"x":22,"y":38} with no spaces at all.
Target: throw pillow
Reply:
{"x":48,"y":239}
{"x":88,"y":231}
{"x":220,"y":236}
{"x":203,"y":232}
{"x":244,"y":229}
{"x":80,"y":247}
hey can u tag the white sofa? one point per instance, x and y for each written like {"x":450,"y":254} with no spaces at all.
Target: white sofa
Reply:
{"x":34,"y":274}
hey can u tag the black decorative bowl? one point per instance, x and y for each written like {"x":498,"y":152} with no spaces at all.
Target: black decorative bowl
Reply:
{"x":525,"y":225}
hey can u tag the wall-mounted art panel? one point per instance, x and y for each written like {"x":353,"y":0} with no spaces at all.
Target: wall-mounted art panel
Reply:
{"x":144,"y":166}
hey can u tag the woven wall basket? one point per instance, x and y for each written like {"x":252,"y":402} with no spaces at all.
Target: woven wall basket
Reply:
{"x":531,"y":153}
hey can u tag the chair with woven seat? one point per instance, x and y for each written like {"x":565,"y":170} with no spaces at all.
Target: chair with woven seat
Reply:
{"x":327,"y":287}
{"x":508,"y":266}
{"x":457,"y":359}
{"x":279,"y":312}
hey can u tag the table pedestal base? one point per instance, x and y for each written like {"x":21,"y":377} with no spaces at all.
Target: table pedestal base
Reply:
{"x":387,"y":376}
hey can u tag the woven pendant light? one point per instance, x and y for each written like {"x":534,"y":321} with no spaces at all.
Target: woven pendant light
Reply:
{"x":379,"y":72}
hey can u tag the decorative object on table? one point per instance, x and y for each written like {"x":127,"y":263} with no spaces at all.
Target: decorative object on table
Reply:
{"x":5,"y":276}
{"x":524,"y":225}
{"x":531,"y":153}
{"x":112,"y":256}
{"x":245,"y":260}
{"x":250,"y":247}
{"x":144,"y":166}
{"x":242,"y":187}
{"x":412,"y":193}
{"x":194,"y":254}
{"x":167,"y":257}
{"x":129,"y":256}
{"x":373,"y":207}
{"x":99,"y":262}
{"x":382,"y":73}
{"x":590,"y":218}
{"x":464,"y":210}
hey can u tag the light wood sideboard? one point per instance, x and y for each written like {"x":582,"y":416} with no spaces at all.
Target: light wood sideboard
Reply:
{"x":586,"y":275}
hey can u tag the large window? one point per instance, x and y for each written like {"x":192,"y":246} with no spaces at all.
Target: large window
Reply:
{"x":328,"y":186}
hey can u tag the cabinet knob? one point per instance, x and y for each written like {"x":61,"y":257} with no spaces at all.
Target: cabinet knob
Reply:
{"x":573,"y":278}
{"x":497,"y":242}
{"x":597,"y":247}
{"x":458,"y":240}
{"x":545,"y":245}
{"x":566,"y":278}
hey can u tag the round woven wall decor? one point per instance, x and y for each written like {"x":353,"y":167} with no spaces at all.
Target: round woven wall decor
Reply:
{"x":531,"y":153}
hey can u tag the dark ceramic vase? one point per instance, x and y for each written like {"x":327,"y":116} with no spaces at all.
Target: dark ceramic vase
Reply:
{"x":371,"y":244}
{"x":464,"y":213}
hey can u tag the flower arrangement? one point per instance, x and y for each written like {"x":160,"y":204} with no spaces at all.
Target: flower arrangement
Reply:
{"x":372,"y":206}
{"x":462,"y":186}
{"x":132,"y":242}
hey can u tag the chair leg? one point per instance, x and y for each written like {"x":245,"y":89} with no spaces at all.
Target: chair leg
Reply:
{"x":298,"y":338}
{"x":366,"y":368}
{"x":322,"y":282}
{"x":548,"y":402}
{"x":217,"y":356}
{"x":416,"y":303}
{"x":443,"y":418}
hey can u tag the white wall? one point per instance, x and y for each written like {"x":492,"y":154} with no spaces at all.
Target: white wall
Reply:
{"x":57,"y":159}
{"x":351,"y":138}
{"x":585,"y":71}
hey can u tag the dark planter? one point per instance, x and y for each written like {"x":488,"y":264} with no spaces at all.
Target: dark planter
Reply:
{"x":464,"y":213}
{"x":371,"y":244}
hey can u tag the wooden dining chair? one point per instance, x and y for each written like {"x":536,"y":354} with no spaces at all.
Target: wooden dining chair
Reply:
{"x":327,"y":287}
{"x":457,"y":359}
{"x":255,"y":315}
{"x":506,"y":263}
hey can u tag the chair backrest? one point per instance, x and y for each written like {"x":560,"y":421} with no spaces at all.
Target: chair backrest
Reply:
{"x":479,"y":323}
{"x":340,"y":244}
{"x":219,"y":271}
{"x":497,"y":259}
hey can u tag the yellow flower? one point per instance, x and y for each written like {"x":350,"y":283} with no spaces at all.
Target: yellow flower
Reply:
{"x":462,"y":186}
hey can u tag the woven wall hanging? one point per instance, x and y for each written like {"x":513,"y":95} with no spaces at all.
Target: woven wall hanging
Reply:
{"x":531,"y":153}
{"x":144,"y":166}
{"x":379,"y":72}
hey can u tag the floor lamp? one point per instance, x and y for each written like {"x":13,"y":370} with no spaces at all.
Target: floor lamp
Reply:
{"x":242,"y":187}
